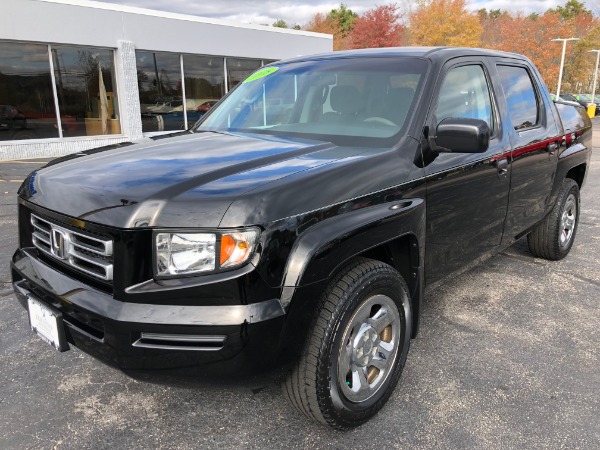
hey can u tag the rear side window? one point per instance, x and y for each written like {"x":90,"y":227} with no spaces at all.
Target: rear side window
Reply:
{"x":521,"y":99}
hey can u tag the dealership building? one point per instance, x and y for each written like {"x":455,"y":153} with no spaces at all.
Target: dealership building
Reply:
{"x":78,"y":74}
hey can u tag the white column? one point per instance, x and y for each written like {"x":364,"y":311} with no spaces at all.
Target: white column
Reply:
{"x":185,"y":120}
{"x":128,"y":94}
{"x":54,"y":92}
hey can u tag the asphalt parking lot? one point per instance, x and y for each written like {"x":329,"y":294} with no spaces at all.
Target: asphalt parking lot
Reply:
{"x":507,"y":358}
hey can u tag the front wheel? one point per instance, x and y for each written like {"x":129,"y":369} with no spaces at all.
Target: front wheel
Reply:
{"x":357,"y":349}
{"x":554,"y":236}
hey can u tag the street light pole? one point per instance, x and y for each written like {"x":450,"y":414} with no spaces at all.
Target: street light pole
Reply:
{"x":562,"y":61}
{"x":595,"y":74}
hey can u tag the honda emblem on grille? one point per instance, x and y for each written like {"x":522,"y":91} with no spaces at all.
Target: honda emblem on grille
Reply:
{"x":59,"y":243}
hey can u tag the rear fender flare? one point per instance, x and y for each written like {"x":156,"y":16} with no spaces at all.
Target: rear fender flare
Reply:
{"x":577,"y":154}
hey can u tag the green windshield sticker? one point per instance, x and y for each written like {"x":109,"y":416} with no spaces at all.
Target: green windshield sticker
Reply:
{"x":261,"y":73}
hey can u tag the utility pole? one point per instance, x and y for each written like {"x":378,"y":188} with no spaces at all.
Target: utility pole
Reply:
{"x":597,"y":52}
{"x":562,"y":61}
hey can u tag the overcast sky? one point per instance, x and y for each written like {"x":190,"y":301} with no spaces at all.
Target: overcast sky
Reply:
{"x":299,"y":12}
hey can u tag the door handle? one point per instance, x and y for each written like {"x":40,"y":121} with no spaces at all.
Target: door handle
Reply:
{"x":552,"y":147}
{"x":502,"y":166}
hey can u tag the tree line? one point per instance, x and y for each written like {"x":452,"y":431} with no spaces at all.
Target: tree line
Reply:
{"x":451,"y":23}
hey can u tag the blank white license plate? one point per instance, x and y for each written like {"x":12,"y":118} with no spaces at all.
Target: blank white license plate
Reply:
{"x":47,"y":324}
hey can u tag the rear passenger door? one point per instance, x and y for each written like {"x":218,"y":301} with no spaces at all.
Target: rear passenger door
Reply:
{"x":467,"y":194}
{"x":535,"y":139}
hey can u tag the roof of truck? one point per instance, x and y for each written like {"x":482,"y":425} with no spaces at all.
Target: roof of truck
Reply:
{"x":434,"y":53}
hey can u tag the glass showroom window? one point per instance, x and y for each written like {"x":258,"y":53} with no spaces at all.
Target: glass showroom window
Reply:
{"x":86,"y":90}
{"x":27,"y":108}
{"x":238,"y":70}
{"x":161,"y":95}
{"x":204,"y":84}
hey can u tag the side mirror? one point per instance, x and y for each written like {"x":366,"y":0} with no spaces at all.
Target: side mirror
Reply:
{"x":456,"y":135}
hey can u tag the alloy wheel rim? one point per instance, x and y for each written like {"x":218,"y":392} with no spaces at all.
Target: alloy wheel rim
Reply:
{"x":369,"y":348}
{"x":567,"y":221}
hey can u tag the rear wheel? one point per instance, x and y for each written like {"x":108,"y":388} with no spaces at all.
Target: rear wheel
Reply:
{"x":554,"y":236}
{"x":357,"y":349}
{"x":24,"y":134}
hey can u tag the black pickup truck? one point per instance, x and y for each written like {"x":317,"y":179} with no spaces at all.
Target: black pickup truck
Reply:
{"x":297,"y":224}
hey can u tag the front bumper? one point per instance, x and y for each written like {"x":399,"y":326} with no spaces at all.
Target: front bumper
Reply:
{"x":161,"y":338}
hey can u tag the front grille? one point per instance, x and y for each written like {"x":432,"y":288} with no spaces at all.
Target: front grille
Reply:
{"x":87,"y":253}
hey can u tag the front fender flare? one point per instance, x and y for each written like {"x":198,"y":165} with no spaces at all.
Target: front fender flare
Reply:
{"x":324,"y":247}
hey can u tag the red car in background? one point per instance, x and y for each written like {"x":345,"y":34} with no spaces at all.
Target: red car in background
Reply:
{"x":204,"y":107}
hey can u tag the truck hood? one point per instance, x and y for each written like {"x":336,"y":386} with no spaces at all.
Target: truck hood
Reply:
{"x":184,"y":180}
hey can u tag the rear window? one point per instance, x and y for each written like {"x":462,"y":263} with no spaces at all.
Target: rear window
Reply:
{"x":521,"y":99}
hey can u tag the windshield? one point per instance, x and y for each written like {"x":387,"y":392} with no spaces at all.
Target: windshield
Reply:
{"x":349,"y":98}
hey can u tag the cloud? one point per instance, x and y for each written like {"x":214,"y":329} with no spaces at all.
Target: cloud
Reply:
{"x":527,"y":7}
{"x":300,"y":12}
{"x":253,"y":11}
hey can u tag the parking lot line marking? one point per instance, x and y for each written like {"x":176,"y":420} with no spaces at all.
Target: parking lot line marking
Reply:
{"x":11,"y":181}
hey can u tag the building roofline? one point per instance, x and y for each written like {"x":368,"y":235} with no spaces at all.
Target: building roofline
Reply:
{"x":179,"y":16}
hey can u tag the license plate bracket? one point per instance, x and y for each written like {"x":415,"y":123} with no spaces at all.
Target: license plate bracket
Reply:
{"x":47,"y":323}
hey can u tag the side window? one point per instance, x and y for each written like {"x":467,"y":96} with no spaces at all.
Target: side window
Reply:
{"x":465,"y":94}
{"x":521,"y":99}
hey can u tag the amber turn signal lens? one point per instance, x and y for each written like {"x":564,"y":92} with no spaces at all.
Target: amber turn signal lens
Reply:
{"x":237,"y":247}
{"x":227,"y":247}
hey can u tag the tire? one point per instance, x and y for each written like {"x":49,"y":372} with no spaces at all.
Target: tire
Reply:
{"x":554,"y":236}
{"x":24,"y":134}
{"x":367,"y":306}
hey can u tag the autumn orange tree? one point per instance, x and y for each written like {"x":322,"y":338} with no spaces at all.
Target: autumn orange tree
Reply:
{"x":320,"y":23}
{"x":578,"y":21}
{"x":531,"y":35}
{"x":339,"y":22}
{"x":492,"y":23}
{"x":452,"y":23}
{"x":444,"y":22}
{"x":579,"y":71}
{"x":378,"y":27}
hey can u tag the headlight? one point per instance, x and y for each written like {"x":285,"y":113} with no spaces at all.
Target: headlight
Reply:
{"x":184,"y":253}
{"x":191,"y":253}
